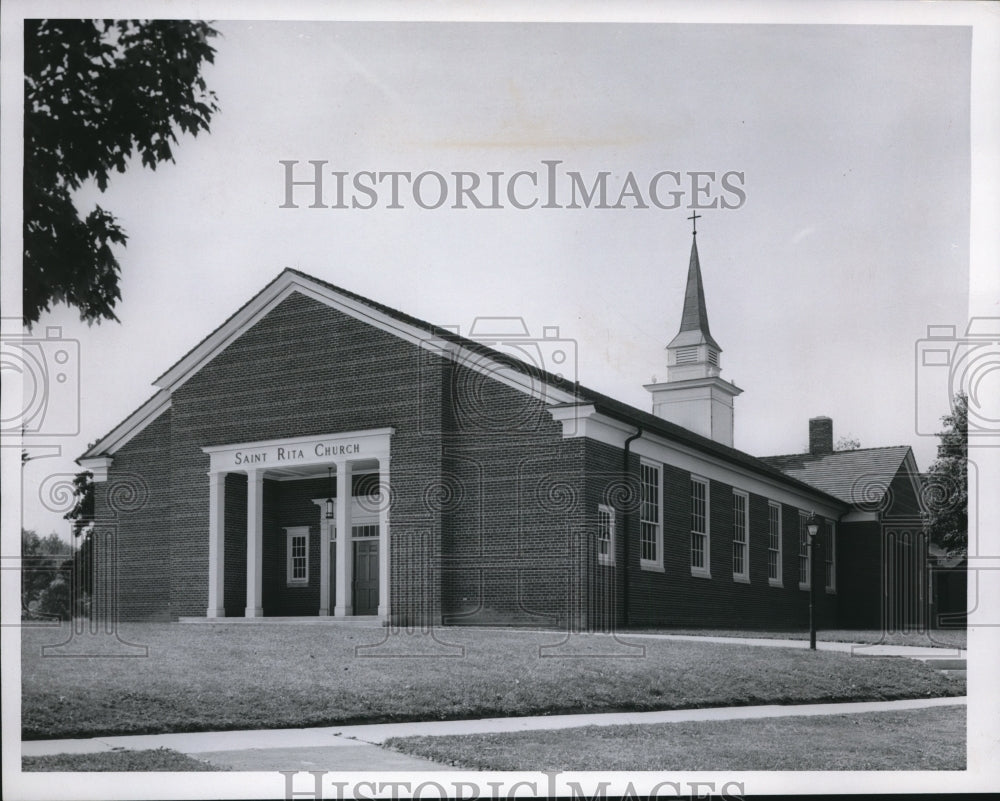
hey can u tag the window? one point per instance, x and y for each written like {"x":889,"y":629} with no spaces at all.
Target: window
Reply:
{"x":741,"y":561}
{"x":364,"y":530}
{"x":298,"y":555}
{"x":805,"y":572}
{"x":650,"y":530}
{"x":605,"y":535}
{"x":830,"y":549}
{"x":774,"y":543}
{"x":700,"y":560}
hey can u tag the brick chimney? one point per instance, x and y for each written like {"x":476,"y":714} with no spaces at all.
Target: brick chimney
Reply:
{"x":820,"y":436}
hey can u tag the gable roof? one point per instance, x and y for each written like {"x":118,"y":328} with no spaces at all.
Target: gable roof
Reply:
{"x":858,"y":477}
{"x":555,"y":390}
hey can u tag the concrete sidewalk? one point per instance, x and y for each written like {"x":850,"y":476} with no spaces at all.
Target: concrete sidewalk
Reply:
{"x":925,"y":653}
{"x":357,"y":747}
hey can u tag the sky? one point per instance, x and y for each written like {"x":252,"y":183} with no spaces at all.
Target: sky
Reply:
{"x":851,"y":235}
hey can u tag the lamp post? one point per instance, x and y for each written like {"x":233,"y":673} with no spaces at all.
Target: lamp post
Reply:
{"x":812,"y":529}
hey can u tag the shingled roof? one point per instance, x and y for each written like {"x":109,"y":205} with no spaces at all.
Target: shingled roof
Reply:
{"x":850,"y":476}
{"x":574,"y":391}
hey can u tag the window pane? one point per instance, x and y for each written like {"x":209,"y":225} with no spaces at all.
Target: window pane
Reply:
{"x":774,"y":542}
{"x":649,"y":512}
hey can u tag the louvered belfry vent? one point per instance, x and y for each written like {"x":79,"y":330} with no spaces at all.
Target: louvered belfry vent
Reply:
{"x":687,"y":355}
{"x":694,"y":395}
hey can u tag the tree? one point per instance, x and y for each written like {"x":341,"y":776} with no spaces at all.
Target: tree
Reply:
{"x":947,"y":488}
{"x":82,"y":513}
{"x":42,"y":563}
{"x":95,"y":93}
{"x":848,"y":443}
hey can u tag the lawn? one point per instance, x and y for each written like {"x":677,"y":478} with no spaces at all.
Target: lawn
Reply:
{"x":935,"y":638}
{"x":117,"y":761}
{"x":209,"y":677}
{"x":918,"y":739}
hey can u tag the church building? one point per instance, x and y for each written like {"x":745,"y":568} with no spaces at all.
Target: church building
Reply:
{"x":321,"y":454}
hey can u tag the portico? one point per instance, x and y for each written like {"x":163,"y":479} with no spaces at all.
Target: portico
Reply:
{"x":353,"y":529}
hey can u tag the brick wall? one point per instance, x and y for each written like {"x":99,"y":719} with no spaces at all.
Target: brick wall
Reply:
{"x":132,"y":510}
{"x":493,"y":516}
{"x":675,"y":597}
{"x":512,"y":507}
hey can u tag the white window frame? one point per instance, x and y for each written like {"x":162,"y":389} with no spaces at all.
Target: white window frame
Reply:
{"x":830,"y":557}
{"x":657,"y":520}
{"x":742,"y":576}
{"x":772,"y":580}
{"x":705,"y":570}
{"x":290,"y":534}
{"x":806,"y":554}
{"x":606,"y":521}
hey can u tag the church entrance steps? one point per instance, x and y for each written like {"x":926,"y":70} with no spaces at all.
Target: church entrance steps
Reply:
{"x":353,"y":620}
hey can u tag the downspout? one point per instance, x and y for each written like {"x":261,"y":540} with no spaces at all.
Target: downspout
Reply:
{"x":625,"y":522}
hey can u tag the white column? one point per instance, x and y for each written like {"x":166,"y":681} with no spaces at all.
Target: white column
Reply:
{"x":383,"y":538}
{"x":345,"y":558}
{"x":324,"y":562}
{"x":216,"y":544}
{"x":255,"y":542}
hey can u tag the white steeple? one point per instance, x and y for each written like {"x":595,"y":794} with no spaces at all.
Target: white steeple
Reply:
{"x":694,"y":396}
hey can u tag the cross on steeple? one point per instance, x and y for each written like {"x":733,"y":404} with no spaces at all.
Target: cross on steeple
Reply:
{"x":694,"y":223}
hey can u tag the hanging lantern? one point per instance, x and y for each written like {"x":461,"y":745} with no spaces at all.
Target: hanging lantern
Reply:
{"x":329,"y":500}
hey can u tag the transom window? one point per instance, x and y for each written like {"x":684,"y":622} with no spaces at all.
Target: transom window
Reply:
{"x":700,"y":558}
{"x":741,"y":567}
{"x":774,"y":543}
{"x":650,"y":530}
{"x":297,"y":570}
{"x":605,"y":535}
{"x":364,"y":530}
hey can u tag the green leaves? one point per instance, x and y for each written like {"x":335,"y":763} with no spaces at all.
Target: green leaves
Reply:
{"x":946,"y":483}
{"x":97,"y":93}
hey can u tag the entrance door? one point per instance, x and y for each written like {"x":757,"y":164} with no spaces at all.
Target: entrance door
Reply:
{"x":366,"y":577}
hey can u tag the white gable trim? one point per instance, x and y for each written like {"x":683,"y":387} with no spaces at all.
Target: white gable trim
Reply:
{"x":287,"y":283}
{"x":130,"y":427}
{"x":265,"y":301}
{"x":98,"y":466}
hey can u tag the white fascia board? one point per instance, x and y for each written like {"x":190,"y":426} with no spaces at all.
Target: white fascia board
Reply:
{"x":130,"y":426}
{"x":288,"y":283}
{"x":368,"y":433}
{"x":585,"y":421}
{"x":709,"y":466}
{"x":98,"y":466}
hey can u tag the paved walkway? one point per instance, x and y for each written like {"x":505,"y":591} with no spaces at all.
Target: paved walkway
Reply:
{"x":860,"y":649}
{"x":357,"y":747}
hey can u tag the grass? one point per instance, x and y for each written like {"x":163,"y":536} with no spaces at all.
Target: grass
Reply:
{"x":117,"y":761}
{"x":936,"y":638}
{"x":215,"y":677}
{"x":920,"y":739}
